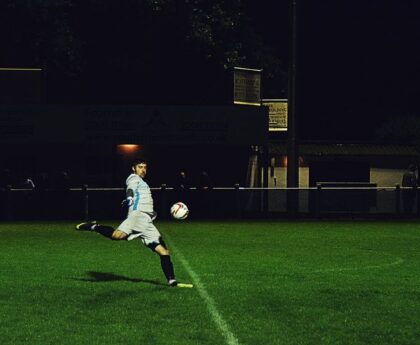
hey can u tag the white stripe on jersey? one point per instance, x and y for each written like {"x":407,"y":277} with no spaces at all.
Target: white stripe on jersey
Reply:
{"x":143,"y":200}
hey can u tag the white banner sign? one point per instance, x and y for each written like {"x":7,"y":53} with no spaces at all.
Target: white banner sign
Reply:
{"x":277,"y":114}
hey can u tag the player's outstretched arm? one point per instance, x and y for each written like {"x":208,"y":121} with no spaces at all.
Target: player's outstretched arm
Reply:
{"x":129,"y":200}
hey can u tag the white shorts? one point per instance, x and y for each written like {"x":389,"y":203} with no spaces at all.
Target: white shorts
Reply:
{"x":140,"y":224}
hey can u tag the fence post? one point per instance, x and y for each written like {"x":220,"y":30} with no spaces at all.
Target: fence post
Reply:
{"x":163,"y":201}
{"x":85,"y":196}
{"x":318,"y":200}
{"x":398,"y":199}
{"x":238,"y":201}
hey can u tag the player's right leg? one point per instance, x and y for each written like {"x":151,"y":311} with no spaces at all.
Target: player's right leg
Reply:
{"x":104,"y":230}
{"x":86,"y":226}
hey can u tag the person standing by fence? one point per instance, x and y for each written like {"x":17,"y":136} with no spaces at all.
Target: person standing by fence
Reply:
{"x":409,"y":192}
{"x":182,"y":186}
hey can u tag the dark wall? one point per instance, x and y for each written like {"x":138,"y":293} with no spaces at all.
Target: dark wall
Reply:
{"x":103,"y":166}
{"x":225,"y":165}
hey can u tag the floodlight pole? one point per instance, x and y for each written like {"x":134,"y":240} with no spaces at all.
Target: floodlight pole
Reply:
{"x":292,"y":147}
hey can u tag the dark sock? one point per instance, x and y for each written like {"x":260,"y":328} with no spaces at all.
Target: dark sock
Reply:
{"x":167,"y":267}
{"x":104,"y":230}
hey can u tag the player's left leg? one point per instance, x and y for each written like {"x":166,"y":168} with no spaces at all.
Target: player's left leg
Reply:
{"x":157,"y":245}
{"x":159,"y":248}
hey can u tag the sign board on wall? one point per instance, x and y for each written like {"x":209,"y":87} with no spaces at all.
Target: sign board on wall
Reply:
{"x":277,"y":114}
{"x":247,"y":86}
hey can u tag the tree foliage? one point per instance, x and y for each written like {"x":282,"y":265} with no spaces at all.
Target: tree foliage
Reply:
{"x":40,"y":33}
{"x":134,"y":50}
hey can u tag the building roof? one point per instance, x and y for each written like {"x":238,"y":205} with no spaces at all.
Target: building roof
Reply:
{"x":347,"y":149}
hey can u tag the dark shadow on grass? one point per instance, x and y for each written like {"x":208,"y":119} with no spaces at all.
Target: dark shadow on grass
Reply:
{"x":98,"y":277}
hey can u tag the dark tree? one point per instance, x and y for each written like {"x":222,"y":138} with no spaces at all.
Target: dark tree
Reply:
{"x":135,"y":51}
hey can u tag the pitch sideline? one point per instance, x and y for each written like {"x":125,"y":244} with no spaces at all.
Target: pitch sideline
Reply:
{"x":211,"y":305}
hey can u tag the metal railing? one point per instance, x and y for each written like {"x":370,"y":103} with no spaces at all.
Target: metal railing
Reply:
{"x":218,"y":203}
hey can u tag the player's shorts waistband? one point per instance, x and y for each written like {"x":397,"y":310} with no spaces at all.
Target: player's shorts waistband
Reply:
{"x":150,"y":214}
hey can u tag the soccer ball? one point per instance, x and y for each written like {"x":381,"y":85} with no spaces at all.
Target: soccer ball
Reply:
{"x":179,"y":210}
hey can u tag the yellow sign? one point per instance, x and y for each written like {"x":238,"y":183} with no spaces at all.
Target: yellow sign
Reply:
{"x":277,"y":114}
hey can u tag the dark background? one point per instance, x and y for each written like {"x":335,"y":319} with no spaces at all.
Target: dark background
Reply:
{"x":359,"y":66}
{"x":357,"y":61}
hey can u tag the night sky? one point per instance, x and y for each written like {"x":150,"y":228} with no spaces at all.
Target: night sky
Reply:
{"x":358,"y":63}
{"x":358,"y":66}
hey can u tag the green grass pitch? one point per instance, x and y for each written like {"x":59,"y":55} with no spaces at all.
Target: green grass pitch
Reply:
{"x":255,"y":283}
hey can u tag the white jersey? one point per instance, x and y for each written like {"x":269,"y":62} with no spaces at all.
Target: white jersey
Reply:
{"x":143,"y":200}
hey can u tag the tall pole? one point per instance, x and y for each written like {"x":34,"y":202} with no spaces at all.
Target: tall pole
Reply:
{"x":292,"y":147}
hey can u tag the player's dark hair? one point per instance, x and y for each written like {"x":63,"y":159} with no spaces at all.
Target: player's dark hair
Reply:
{"x":138,"y":161}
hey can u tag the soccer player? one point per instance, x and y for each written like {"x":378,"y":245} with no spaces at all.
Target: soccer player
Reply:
{"x":139,"y":221}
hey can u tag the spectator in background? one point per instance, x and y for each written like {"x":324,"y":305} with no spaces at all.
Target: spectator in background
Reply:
{"x":63,"y":192}
{"x":205,"y":182}
{"x":205,"y":201}
{"x":182,"y":187}
{"x":28,"y":204}
{"x":409,"y":191}
{"x":182,"y":183}
{"x":63,"y":181}
{"x":42,"y":181}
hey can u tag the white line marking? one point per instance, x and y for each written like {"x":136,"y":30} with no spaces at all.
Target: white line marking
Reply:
{"x":211,"y":305}
{"x":397,"y":262}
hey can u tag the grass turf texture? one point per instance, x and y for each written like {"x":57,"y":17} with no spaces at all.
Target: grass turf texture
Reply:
{"x":272,"y":283}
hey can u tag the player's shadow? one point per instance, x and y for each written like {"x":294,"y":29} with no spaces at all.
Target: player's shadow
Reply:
{"x":97,"y":277}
